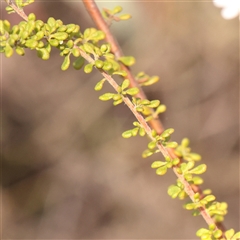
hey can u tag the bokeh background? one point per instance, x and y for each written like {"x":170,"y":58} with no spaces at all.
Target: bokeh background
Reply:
{"x":66,"y":171}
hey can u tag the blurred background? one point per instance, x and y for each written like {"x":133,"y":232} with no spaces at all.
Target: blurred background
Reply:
{"x":66,"y":171}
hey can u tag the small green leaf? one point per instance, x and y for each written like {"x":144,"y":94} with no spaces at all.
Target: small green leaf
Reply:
{"x":117,"y":9}
{"x":88,"y":32}
{"x":152,"y":145}
{"x":175,"y":161}
{"x":65,"y":51}
{"x":169,"y":165}
{"x":70,"y":43}
{"x":209,"y":198}
{"x":40,"y":35}
{"x":115,"y":103}
{"x":127,"y":60}
{"x":88,"y":48}
{"x":162,"y":108}
{"x":9,"y":9}
{"x":127,"y":134}
{"x":188,"y":176}
{"x":78,"y":63}
{"x":135,"y":131}
{"x":70,"y":27}
{"x":31,"y":43}
{"x":229,"y":233}
{"x":173,"y":191}
{"x":7,"y":25}
{"x":8,"y":51}
{"x":125,"y":16}
{"x":142,"y":132}
{"x":185,"y":142}
{"x":167,"y":133}
{"x":105,"y":48}
{"x":107,"y":66}
{"x":207,"y":191}
{"x":154,"y":104}
{"x":19,"y":3}
{"x":171,"y":144}
{"x":236,"y":236}
{"x":53,"y":42}
{"x":136,"y":124}
{"x":99,"y":85}
{"x":121,"y":73}
{"x":51,"y":22}
{"x":88,"y":68}
{"x":125,"y":84}
{"x":66,"y":63}
{"x":197,"y":180}
{"x":99,"y":63}
{"x":106,"y":96}
{"x":140,"y":109}
{"x":197,"y":196}
{"x":162,"y":170}
{"x":147,"y":153}
{"x":199,"y":169}
{"x":217,"y":234}
{"x":32,"y":16}
{"x":132,"y":91}
{"x":60,"y":36}
{"x":98,"y":35}
{"x":202,"y":231}
{"x":116,"y":97}
{"x":43,"y":53}
{"x":150,"y":81}
{"x":158,"y":164}
{"x":195,"y":156}
{"x":75,"y":52}
{"x":20,"y":51}
{"x":190,"y":206}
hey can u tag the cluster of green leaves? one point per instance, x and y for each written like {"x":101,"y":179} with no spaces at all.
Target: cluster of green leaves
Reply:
{"x":123,"y":90}
{"x":145,"y":80}
{"x":185,"y":153}
{"x":20,"y":4}
{"x":112,"y":15}
{"x":150,"y":109}
{"x":70,"y":41}
{"x":162,"y":139}
{"x":37,"y":35}
{"x":213,"y":234}
{"x":163,"y":166}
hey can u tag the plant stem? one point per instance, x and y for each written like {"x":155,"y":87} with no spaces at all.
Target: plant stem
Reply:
{"x":155,"y":124}
{"x":187,"y":187}
{"x":19,"y":11}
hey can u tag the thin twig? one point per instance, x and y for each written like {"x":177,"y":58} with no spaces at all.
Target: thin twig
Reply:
{"x":155,"y":124}
{"x":19,"y":11}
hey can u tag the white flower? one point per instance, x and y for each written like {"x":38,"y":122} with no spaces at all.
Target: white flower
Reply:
{"x":231,"y":8}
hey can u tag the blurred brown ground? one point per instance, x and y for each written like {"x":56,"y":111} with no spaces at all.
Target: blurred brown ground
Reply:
{"x":68,"y":173}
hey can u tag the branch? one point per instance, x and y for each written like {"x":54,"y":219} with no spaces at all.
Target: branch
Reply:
{"x":155,"y":124}
{"x":116,"y":50}
{"x":187,"y":187}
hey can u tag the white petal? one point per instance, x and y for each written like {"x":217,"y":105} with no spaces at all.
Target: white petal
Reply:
{"x":229,"y":13}
{"x":220,"y":3}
